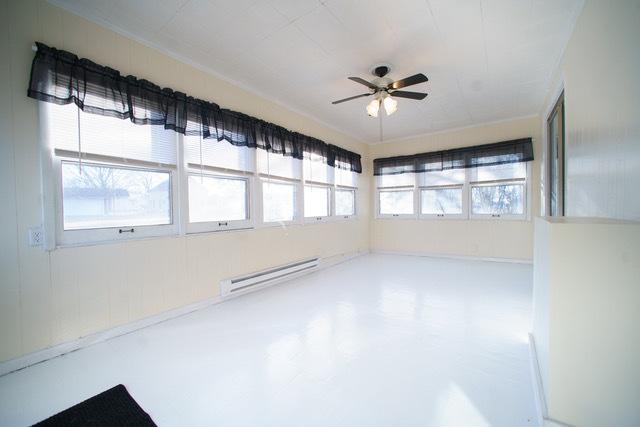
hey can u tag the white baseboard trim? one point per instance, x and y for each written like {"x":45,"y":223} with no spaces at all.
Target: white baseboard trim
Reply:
{"x":536,"y":379}
{"x":40,"y":356}
{"x":452,"y":256}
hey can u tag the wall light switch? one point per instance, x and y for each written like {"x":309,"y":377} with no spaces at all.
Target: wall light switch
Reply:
{"x":36,"y":236}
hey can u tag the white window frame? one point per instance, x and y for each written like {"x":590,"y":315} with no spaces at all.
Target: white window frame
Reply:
{"x":466,"y":200}
{"x":380,"y":215}
{"x":259,"y":203}
{"x":111,"y":234}
{"x":222,"y":225}
{"x":55,"y":236}
{"x":461,"y":215}
{"x":354,"y":190}
{"x":519,"y":181}
{"x":330,"y":200}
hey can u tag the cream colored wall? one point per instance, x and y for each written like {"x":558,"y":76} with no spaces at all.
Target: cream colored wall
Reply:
{"x":540,"y":321}
{"x":599,"y":70}
{"x":50,"y":297}
{"x":586,"y":272}
{"x":483,"y":238}
{"x":585,"y":320}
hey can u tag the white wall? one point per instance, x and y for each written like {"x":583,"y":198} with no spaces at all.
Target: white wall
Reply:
{"x":586,"y":286}
{"x":586,"y":293}
{"x":599,"y":71}
{"x":50,"y":297}
{"x":540,"y":326}
{"x":483,"y":238}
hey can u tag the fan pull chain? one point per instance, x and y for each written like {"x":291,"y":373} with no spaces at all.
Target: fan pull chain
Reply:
{"x":380,"y":115}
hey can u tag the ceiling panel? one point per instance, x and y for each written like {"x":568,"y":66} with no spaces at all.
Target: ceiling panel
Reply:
{"x":486,"y":60}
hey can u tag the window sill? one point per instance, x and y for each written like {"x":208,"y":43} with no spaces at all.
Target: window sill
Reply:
{"x":453,"y":218}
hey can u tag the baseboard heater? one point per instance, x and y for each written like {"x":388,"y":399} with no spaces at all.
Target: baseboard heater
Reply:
{"x":269,"y":276}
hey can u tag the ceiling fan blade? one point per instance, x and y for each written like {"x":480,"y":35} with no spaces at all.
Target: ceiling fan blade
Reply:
{"x":408,"y":81}
{"x":407,"y":94}
{"x":350,"y":98}
{"x":363,"y":82}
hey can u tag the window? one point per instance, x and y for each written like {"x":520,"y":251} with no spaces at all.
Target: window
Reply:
{"x":345,"y":202}
{"x":498,"y":191}
{"x":441,"y":193}
{"x":315,"y":170}
{"x":102,"y":196}
{"x":345,"y":191}
{"x":316,"y":201}
{"x":555,"y":159}
{"x":345,"y":178}
{"x":278,"y":201}
{"x":497,"y":200}
{"x":218,"y":184}
{"x":319,"y":179}
{"x":396,"y":195}
{"x":281,"y":178}
{"x":441,"y":201}
{"x":277,"y":165}
{"x":115,"y":180}
{"x":396,"y":202}
{"x":206,"y":192}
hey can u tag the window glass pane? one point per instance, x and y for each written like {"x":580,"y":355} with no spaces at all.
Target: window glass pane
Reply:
{"x":345,"y":202}
{"x":507,"y":199}
{"x":101,"y":196}
{"x":109,"y":136}
{"x":317,"y":171}
{"x":499,"y":172}
{"x":399,"y":180}
{"x":438,"y":201}
{"x":275,"y":164}
{"x":396,"y":202}
{"x":445,"y":177}
{"x":278,"y":201}
{"x":316,"y":201}
{"x":217,"y":199}
{"x":345,"y":177}
{"x":219,"y":154}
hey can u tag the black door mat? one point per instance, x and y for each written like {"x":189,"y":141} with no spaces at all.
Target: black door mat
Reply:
{"x":114,"y":408}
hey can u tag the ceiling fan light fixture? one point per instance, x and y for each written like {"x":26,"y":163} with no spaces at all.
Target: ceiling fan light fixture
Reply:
{"x":390,"y":105}
{"x":373,"y":107}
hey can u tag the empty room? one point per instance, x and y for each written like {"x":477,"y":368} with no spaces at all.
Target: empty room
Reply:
{"x":320,"y":213}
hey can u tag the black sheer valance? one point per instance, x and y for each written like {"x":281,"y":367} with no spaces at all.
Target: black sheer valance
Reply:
{"x":61,"y":77}
{"x":515,"y":151}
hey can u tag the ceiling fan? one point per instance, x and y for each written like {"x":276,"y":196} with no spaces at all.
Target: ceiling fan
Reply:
{"x":383,"y":89}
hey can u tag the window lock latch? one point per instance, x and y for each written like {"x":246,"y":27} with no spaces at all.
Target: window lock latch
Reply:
{"x":126,"y":230}
{"x":223,"y":223}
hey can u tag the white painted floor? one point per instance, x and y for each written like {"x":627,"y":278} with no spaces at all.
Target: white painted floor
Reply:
{"x":381,"y":340}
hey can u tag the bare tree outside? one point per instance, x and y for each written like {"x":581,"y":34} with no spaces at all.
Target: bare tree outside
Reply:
{"x":498,"y":199}
{"x":98,"y":196}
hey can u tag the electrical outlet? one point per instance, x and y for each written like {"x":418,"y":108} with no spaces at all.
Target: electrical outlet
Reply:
{"x":36,"y":236}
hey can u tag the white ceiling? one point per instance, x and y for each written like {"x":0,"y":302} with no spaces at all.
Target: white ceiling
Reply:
{"x":486,"y":60}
